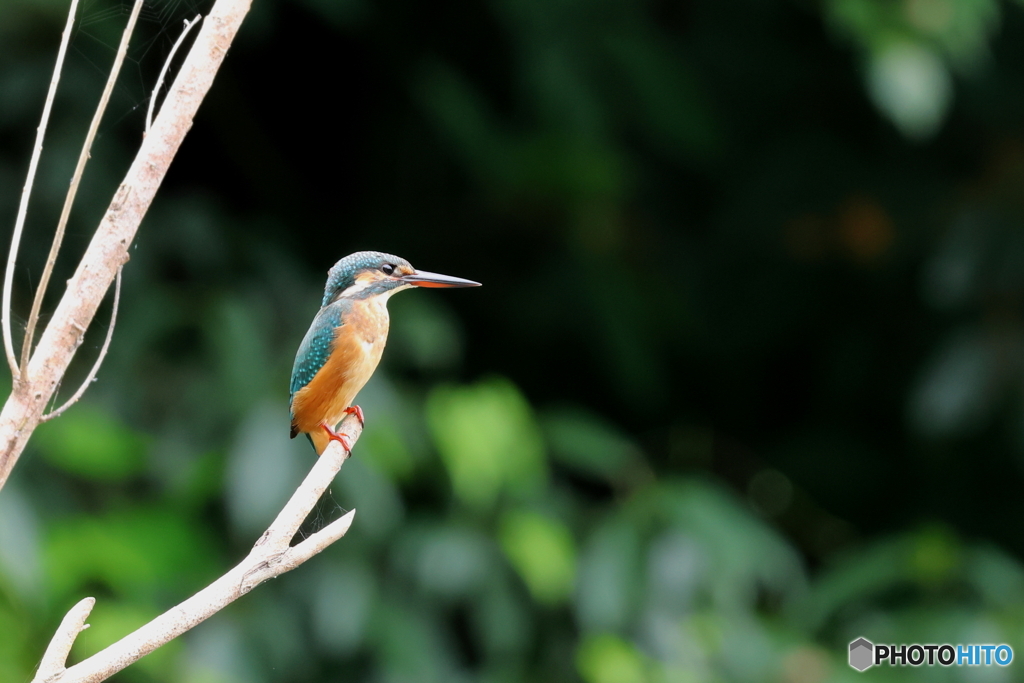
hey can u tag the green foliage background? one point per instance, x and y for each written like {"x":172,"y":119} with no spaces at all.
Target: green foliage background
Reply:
{"x":743,"y":382}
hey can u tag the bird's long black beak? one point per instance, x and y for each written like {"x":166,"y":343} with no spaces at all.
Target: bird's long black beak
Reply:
{"x":422,"y":278}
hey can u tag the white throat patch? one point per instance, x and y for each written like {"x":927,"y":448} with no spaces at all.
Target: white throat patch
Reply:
{"x":361,"y":284}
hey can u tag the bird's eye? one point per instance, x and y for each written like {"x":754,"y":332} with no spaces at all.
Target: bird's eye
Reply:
{"x":388,"y":268}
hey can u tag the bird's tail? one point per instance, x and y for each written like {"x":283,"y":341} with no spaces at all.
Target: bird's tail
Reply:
{"x":318,"y":439}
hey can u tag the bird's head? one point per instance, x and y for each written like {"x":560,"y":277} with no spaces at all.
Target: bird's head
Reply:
{"x":366,"y":274}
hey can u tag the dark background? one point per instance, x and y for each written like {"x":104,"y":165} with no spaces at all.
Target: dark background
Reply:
{"x":743,"y":382}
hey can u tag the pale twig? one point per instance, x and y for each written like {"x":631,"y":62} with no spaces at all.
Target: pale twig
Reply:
{"x":99,"y":359}
{"x":19,"y":222}
{"x":76,"y":179}
{"x":167,"y":65}
{"x":271,"y":556}
{"x":108,"y":249}
{"x":56,"y":656}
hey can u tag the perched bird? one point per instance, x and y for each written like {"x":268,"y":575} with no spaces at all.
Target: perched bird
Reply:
{"x":344,"y":344}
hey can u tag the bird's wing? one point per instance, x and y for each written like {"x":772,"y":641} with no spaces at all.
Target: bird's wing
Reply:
{"x":315,"y":347}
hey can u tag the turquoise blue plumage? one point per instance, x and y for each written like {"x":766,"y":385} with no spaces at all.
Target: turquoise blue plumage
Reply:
{"x":315,"y":348}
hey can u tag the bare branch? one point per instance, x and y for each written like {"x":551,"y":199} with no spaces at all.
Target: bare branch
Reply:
{"x":99,"y":359}
{"x":33,"y":164}
{"x":318,"y":541}
{"x":271,"y":556}
{"x":76,"y":179}
{"x":56,"y":656}
{"x":108,"y":249}
{"x":165,"y":67}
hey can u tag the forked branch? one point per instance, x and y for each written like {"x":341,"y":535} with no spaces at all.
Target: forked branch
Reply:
{"x":108,"y":250}
{"x":26,"y":193}
{"x":271,"y":556}
{"x":76,"y":179}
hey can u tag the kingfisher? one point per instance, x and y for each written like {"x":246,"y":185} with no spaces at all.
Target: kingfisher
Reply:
{"x":344,"y":344}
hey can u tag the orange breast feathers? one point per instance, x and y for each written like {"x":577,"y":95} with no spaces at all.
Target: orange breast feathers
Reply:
{"x":355,"y":353}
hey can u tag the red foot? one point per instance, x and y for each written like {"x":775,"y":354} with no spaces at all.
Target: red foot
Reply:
{"x":340,"y":437}
{"x":358,"y":412}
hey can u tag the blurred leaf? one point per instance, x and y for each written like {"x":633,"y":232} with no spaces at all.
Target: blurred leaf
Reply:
{"x":959,"y":28}
{"x":566,"y":167}
{"x":488,"y":440}
{"x":563,"y":96}
{"x":409,"y":645}
{"x":955,"y":271}
{"x":549,"y":164}
{"x":364,"y":488}
{"x":911,"y":86}
{"x":670,"y":105}
{"x":19,"y":544}
{"x":149,"y":551}
{"x":936,"y":556}
{"x":585,"y":443}
{"x":240,"y":350}
{"x":504,"y":621}
{"x":543,"y":553}
{"x":749,"y":652}
{"x":203,"y":480}
{"x":451,"y":561}
{"x":15,"y":662}
{"x":425,"y":332}
{"x":736,"y":554}
{"x":997,"y":577}
{"x":263,"y":467}
{"x":112,"y":620}
{"x":929,"y":560}
{"x":607,"y":659}
{"x":677,"y":567}
{"x":279,"y":641}
{"x":907,"y":45}
{"x":958,"y":387}
{"x":215,"y":653}
{"x":609,"y":586}
{"x":342,"y":597}
{"x":90,"y":443}
{"x":461,"y":114}
{"x":383,"y":445}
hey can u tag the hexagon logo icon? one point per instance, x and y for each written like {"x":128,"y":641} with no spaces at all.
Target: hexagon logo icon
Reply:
{"x":862,"y":653}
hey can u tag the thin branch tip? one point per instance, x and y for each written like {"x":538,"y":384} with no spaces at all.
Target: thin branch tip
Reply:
{"x":91,"y":377}
{"x":163,"y":71}
{"x":26,"y":193}
{"x":76,"y":178}
{"x":56,"y":656}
